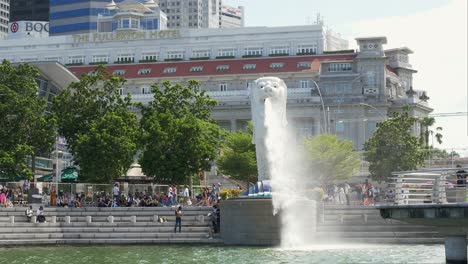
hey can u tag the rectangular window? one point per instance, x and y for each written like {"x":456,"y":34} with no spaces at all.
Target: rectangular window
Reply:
{"x":175,"y":55}
{"x":227,"y":53}
{"x":307,"y":49}
{"x":52,"y":59}
{"x":196,"y":69}
{"x":223,"y":87}
{"x":150,"y":56}
{"x":305,"y":83}
{"x":201,"y":53}
{"x":76,"y":60}
{"x":222,"y":68}
{"x":250,"y":66}
{"x":145,"y":90}
{"x":339,"y":67}
{"x":279,"y":50}
{"x":253,"y":51}
{"x":100,"y":58}
{"x":121,"y":91}
{"x":119,"y":72}
{"x":278,"y":65}
{"x":304,"y":65}
{"x":30,"y":59}
{"x":144,"y":71}
{"x":126,"y":58}
{"x":340,"y":127}
{"x":170,"y":70}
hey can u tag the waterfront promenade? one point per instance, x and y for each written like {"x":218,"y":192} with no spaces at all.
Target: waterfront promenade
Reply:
{"x":92,"y":225}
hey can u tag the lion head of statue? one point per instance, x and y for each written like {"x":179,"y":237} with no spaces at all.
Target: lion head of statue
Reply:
{"x":269,"y":87}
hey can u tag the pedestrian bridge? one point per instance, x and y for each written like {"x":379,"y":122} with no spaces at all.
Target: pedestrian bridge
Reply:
{"x":435,"y":198}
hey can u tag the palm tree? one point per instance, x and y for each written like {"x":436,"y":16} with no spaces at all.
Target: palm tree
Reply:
{"x":426,"y":122}
{"x":438,"y":135}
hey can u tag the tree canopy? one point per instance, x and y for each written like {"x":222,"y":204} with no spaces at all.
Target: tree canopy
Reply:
{"x":331,"y":158}
{"x":26,"y":127}
{"x":100,"y":129}
{"x":238,"y":158}
{"x":178,"y":136}
{"x":393,"y":147}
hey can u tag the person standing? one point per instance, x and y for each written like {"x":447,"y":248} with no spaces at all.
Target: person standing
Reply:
{"x":461,"y":176}
{"x":178,"y":221}
{"x":186,"y":195}
{"x":116,"y":192}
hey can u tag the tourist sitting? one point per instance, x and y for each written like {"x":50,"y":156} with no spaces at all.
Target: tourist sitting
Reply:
{"x":114,"y":203}
{"x":29,"y":213}
{"x":40,"y":215}
{"x":101,"y":202}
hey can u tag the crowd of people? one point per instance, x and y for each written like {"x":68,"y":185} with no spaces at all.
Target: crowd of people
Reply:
{"x":357,"y":194}
{"x":13,"y":196}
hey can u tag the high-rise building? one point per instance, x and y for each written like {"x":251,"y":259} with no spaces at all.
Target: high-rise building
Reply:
{"x":191,"y":14}
{"x":231,"y":17}
{"x":201,"y":14}
{"x":4,"y":17}
{"x":29,"y":10}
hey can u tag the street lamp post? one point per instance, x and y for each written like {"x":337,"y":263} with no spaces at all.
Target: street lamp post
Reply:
{"x":373,"y":107}
{"x":325,"y":125}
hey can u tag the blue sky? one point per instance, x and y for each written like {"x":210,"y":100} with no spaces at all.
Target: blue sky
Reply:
{"x":336,"y":12}
{"x":436,"y":30}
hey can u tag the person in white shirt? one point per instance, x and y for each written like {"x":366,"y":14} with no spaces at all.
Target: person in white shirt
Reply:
{"x":186,"y":194}
{"x":116,"y":192}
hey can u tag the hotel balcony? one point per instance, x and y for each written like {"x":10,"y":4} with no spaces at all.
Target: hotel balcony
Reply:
{"x":241,"y":97}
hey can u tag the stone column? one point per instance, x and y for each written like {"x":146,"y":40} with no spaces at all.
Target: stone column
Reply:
{"x":455,"y":250}
{"x":233,"y":125}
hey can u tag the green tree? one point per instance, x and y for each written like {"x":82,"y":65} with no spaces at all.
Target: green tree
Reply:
{"x":178,"y":136}
{"x":238,"y":157}
{"x":331,"y":158}
{"x":393,"y":147}
{"x":26,"y":127}
{"x":96,"y":121}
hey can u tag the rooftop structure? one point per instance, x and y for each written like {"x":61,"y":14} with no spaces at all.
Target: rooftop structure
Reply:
{"x":4,"y":17}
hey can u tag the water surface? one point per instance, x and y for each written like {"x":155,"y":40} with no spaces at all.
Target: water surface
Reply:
{"x":229,"y":255}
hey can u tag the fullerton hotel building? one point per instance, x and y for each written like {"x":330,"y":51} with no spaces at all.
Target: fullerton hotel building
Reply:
{"x":331,"y":88}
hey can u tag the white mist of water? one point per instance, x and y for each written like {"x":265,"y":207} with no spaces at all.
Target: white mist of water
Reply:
{"x":289,"y":180}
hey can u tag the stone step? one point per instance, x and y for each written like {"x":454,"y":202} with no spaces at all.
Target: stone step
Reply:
{"x":24,"y":219}
{"x":364,"y":234}
{"x":352,"y":216}
{"x":162,"y":229}
{"x":373,"y":228}
{"x":112,"y":241}
{"x":33,"y":236}
{"x":107,"y":213}
{"x":357,"y":221}
{"x":102,"y":224}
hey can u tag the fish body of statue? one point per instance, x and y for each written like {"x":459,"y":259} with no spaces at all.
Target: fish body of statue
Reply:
{"x":267,"y":94}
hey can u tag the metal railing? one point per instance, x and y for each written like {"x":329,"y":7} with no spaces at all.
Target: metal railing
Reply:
{"x":442,"y":185}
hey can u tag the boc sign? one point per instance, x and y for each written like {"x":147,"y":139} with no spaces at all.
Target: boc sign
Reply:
{"x":29,"y":27}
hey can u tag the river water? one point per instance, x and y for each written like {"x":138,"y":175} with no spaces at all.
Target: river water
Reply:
{"x":217,"y":254}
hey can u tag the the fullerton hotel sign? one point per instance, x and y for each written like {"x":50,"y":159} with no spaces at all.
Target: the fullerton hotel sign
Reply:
{"x":126,"y":35}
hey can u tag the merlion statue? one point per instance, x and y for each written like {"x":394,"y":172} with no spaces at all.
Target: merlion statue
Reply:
{"x":268,"y":101}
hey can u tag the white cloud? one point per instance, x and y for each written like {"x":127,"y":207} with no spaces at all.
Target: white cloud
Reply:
{"x":439,"y":39}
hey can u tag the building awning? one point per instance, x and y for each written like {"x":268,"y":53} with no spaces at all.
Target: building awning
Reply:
{"x":46,"y":178}
{"x":55,"y":72}
{"x":70,"y":174}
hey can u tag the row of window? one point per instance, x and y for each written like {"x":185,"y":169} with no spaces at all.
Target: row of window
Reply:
{"x":219,"y":68}
{"x":155,"y":56}
{"x":223,"y":87}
